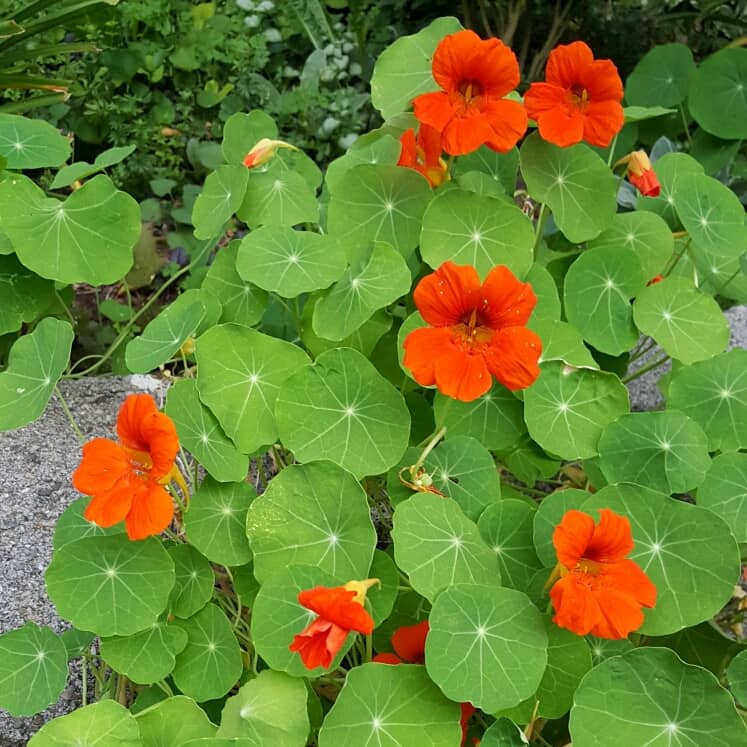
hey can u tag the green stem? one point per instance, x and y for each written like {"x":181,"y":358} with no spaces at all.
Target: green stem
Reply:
{"x":641,"y":350}
{"x":437,"y":436}
{"x":611,"y":155}
{"x":369,"y":647}
{"x":687,"y":127}
{"x":540,"y":227}
{"x":646,"y":369}
{"x":84,"y":682}
{"x":677,"y":258}
{"x":237,"y":619}
{"x":65,"y":307}
{"x":69,"y":415}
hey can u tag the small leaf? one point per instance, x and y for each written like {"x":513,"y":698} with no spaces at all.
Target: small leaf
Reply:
{"x":194,"y":581}
{"x":82,"y":170}
{"x":220,"y":198}
{"x":174,"y":721}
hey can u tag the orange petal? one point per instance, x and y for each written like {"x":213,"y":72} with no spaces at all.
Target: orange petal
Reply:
{"x":647,"y":183}
{"x":464,"y":134}
{"x":508,"y":120}
{"x":612,"y":539}
{"x":387,"y":658}
{"x":558,"y":123}
{"x":445,"y":297}
{"x":627,"y":576}
{"x":151,"y":512}
{"x":109,"y":508}
{"x":512,"y":357}
{"x":408,"y":155}
{"x":135,"y":409}
{"x":461,"y":374}
{"x":336,"y":605}
{"x":453,"y":57}
{"x":429,"y":139}
{"x":566,"y":64}
{"x":104,"y":464}
{"x":602,"y":81}
{"x":159,"y":431}
{"x":572,"y":536}
{"x":575,"y":605}
{"x":602,"y":121}
{"x":319,"y":643}
{"x":619,"y":614}
{"x":433,"y":109}
{"x":409,"y":642}
{"x":509,"y":301}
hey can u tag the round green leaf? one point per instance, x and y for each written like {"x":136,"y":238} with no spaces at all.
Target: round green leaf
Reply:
{"x":503,"y":733}
{"x":312,"y":514}
{"x":240,"y":372}
{"x":713,"y":152}
{"x":35,"y":363}
{"x":736,"y":674}
{"x":574,"y":182}
{"x":110,"y":585}
{"x":548,"y":516}
{"x":216,"y":521}
{"x":604,"y":648}
{"x":403,"y":69}
{"x":438,"y":546}
{"x":371,"y":282}
{"x":496,"y":419}
{"x":242,"y":132}
{"x":88,"y":238}
{"x":278,"y":196}
{"x":724,"y":491}
{"x":25,"y":295}
{"x":714,"y":394}
{"x":376,"y":202}
{"x":210,"y":664}
{"x":688,"y":324}
{"x":242,"y":302}
{"x":104,"y":724}
{"x":380,"y":600}
{"x":562,"y":342}
{"x":567,"y":408}
{"x":342,"y":409}
{"x":72,"y":525}
{"x":220,"y":198}
{"x":501,"y":167}
{"x":277,"y":617}
{"x":507,"y":527}
{"x":389,"y":706}
{"x":173,"y":722}
{"x":164,"y":335}
{"x":386,"y":149}
{"x":662,"y":77}
{"x":33,"y":669}
{"x":82,"y":170}
{"x":688,"y":552}
{"x":597,"y":293}
{"x":486,"y":645}
{"x":289,"y":262}
{"x":27,"y":143}
{"x":666,"y":451}
{"x":475,"y":230}
{"x":269,"y":709}
{"x":200,"y":433}
{"x":544,"y":287}
{"x":527,"y":461}
{"x":644,"y":235}
{"x":718,"y":94}
{"x":649,"y":696}
{"x":145,"y":657}
{"x":195,"y":580}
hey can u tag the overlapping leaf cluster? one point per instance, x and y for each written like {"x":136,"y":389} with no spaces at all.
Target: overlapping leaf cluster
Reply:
{"x":214,"y":610}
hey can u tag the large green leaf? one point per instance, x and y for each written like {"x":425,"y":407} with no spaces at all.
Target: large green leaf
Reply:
{"x":220,"y":198}
{"x":650,"y":697}
{"x":737,"y":676}
{"x":242,"y":132}
{"x":210,"y":664}
{"x":376,"y":202}
{"x":72,"y":525}
{"x":666,"y":451}
{"x":486,"y":645}
{"x":173,"y":722}
{"x":661,"y":77}
{"x":476,"y":230}
{"x":714,"y":394}
{"x":724,"y":491}
{"x":437,"y":546}
{"x":104,"y":724}
{"x":548,"y":516}
{"x":289,"y":262}
{"x":25,"y":295}
{"x":597,"y":292}
{"x":312,"y":514}
{"x":269,"y":709}
{"x":403,"y":70}
{"x":240,"y":373}
{"x":35,"y":363}
{"x":31,"y":143}
{"x":110,"y":585}
{"x":501,"y":167}
{"x":567,"y":408}
{"x":342,"y":409}
{"x":574,"y":182}
{"x":194,"y":581}
{"x":88,"y":238}
{"x":386,"y":149}
{"x":390,"y":706}
{"x":562,"y":342}
{"x":718,"y":94}
{"x":372,"y":281}
{"x":33,"y":669}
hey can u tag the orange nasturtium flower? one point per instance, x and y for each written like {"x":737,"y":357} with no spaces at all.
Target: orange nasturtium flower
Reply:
{"x":641,"y":174}
{"x":423,"y":153}
{"x":263,"y":151}
{"x":125,"y":479}
{"x":476,"y":332}
{"x":598,"y":591}
{"x":470,"y":110}
{"x":339,"y":610}
{"x":579,"y":100}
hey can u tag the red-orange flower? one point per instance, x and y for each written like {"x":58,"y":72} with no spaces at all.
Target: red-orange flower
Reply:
{"x":641,"y":174}
{"x":340,"y":610}
{"x":126,"y":479}
{"x":655,"y":279}
{"x":579,"y":100}
{"x":470,"y":110}
{"x":599,"y":591}
{"x":424,"y":154}
{"x":476,"y":332}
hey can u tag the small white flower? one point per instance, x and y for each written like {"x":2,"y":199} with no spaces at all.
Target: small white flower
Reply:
{"x":252,"y":21}
{"x":272,"y":35}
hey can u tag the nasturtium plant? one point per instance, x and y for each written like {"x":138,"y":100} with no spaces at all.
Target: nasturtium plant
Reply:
{"x":396,"y":494}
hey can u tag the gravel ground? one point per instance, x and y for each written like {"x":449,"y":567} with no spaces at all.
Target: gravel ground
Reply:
{"x":36,"y":463}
